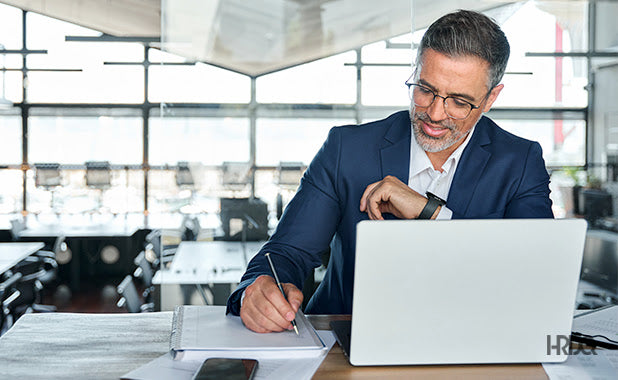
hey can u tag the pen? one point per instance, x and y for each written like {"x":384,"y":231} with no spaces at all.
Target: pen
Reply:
{"x":272,"y":268}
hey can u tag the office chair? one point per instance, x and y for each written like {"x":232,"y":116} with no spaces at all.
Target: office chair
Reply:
{"x":99,"y":177}
{"x":155,"y":252}
{"x":8,"y":295}
{"x":17,"y":226}
{"x":184,"y":177}
{"x":37,"y":270}
{"x":144,"y":271}
{"x":48,"y":177}
{"x":190,"y":228}
{"x":288,"y":179}
{"x":129,"y":297}
{"x":235,"y":175}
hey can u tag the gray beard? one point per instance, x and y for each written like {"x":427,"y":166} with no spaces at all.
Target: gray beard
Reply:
{"x":429,"y":143}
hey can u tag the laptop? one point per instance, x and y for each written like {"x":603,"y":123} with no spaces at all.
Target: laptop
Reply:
{"x":463,"y":291}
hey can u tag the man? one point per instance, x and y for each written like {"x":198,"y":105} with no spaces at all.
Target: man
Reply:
{"x":378,"y":171}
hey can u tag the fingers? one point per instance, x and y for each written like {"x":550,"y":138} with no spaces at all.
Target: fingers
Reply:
{"x":390,"y":195}
{"x":294,"y":295}
{"x":265,"y":310}
{"x":370,"y":201}
{"x":366,"y":193}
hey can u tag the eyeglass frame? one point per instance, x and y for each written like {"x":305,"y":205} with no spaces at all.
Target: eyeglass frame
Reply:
{"x":472,"y":106}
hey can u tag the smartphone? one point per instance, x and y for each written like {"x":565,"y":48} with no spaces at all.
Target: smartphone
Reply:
{"x":225,"y":368}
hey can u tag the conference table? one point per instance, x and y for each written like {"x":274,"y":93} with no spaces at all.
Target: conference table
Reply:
{"x":85,"y":238}
{"x":106,"y":346}
{"x":13,"y":253}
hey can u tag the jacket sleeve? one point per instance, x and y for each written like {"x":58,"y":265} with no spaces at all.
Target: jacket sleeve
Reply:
{"x":306,"y":227}
{"x":531,"y":199}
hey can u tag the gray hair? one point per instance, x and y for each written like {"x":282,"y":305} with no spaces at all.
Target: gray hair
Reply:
{"x":469,"y":33}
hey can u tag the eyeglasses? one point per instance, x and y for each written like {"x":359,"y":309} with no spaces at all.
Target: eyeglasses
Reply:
{"x":455,"y":108}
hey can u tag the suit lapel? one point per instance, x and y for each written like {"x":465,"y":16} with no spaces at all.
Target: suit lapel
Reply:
{"x":469,"y":169}
{"x":395,"y":154}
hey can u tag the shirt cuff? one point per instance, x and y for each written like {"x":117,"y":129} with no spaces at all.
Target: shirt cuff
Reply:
{"x":242,"y":297}
{"x":444,"y":214}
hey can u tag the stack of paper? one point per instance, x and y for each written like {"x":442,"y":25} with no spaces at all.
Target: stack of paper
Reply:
{"x":202,"y":332}
{"x":206,"y":328}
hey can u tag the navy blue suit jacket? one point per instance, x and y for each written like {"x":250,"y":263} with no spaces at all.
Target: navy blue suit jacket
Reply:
{"x":499,"y":175}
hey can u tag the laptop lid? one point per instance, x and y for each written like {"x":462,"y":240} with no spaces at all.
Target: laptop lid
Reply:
{"x":464,"y":291}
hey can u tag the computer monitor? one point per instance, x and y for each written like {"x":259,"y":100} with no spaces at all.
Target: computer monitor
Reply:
{"x":600,"y":262}
{"x":244,"y":213}
{"x":595,"y":204}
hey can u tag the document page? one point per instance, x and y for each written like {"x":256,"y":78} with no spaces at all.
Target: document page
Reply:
{"x":292,"y":367}
{"x":603,"y":366}
{"x":601,"y":322}
{"x":198,"y":328}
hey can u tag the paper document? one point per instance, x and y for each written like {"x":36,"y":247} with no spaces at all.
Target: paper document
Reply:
{"x":207,"y":328}
{"x":603,"y":366}
{"x":598,"y":323}
{"x":292,"y":367}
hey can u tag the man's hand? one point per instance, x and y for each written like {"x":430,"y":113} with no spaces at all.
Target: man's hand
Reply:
{"x":390,"y":195}
{"x":265,"y":310}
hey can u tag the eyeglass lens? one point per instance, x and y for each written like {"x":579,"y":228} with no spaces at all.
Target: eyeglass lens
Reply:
{"x":424,"y":97}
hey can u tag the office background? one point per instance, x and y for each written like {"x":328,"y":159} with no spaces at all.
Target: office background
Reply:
{"x":116,"y":111}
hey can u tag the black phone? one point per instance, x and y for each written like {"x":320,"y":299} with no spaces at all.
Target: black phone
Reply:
{"x":226,"y":368}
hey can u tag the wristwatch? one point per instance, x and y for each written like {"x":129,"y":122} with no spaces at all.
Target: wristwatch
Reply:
{"x":433,"y":202}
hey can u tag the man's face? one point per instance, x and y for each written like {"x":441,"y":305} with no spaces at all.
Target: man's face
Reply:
{"x":464,"y":77}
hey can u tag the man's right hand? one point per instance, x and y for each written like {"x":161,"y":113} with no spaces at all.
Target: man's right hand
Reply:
{"x":265,"y":310}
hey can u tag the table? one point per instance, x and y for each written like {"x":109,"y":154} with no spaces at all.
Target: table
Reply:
{"x":106,"y":346}
{"x":13,"y":253}
{"x":218,"y":264}
{"x":85,"y":238}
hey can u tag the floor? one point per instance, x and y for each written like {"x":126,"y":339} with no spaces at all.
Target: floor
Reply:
{"x":90,"y":298}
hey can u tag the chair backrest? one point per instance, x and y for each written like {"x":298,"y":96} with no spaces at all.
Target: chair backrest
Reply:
{"x":144,"y":269}
{"x":17,"y":226}
{"x":47,"y":175}
{"x":8,"y":295}
{"x":183,"y":175}
{"x":153,"y":242}
{"x":98,"y":174}
{"x":190,"y":229}
{"x":129,"y":299}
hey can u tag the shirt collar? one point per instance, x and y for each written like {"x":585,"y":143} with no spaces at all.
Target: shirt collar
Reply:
{"x":420,"y":162}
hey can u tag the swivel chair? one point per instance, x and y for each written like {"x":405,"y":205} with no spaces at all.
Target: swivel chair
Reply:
{"x":98,"y":176}
{"x":144,"y":271}
{"x":8,"y":295}
{"x":36,"y":271}
{"x":47,"y":176}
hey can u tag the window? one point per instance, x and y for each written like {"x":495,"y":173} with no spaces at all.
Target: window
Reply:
{"x":295,"y":140}
{"x":209,"y":141}
{"x":77,"y":139}
{"x":10,"y":143}
{"x":327,"y":80}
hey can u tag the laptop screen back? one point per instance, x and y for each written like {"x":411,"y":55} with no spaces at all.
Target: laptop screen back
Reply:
{"x":464,"y":291}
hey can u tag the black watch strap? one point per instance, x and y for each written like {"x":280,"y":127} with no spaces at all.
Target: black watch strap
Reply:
{"x":433,"y":202}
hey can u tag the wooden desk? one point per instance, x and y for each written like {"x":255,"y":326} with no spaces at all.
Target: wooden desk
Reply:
{"x":13,"y":253}
{"x":104,"y":346}
{"x":336,"y":365}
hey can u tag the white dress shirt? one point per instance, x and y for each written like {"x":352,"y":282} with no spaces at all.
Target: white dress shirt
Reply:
{"x":423,"y":177}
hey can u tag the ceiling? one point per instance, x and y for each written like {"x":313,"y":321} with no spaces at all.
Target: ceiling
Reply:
{"x":258,"y":36}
